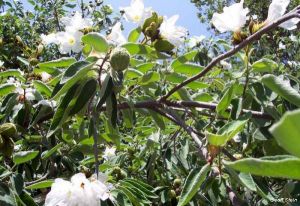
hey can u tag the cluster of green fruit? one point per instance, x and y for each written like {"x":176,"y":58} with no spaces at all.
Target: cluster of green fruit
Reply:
{"x":7,"y":132}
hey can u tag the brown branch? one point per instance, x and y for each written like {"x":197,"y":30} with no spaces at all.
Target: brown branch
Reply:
{"x":254,"y":37}
{"x":186,"y":104}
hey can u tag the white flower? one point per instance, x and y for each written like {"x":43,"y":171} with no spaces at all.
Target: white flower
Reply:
{"x":109,"y":153}
{"x":281,"y":46}
{"x":45,"y":76}
{"x":174,"y":34}
{"x":136,"y":12}
{"x":277,"y":9}
{"x":116,"y":36}
{"x":29,"y":92}
{"x":76,"y":22}
{"x":195,"y":40}
{"x":293,"y":38}
{"x":79,"y":191}
{"x":49,"y":39}
{"x":69,"y":41}
{"x":226,"y":65}
{"x":233,"y":18}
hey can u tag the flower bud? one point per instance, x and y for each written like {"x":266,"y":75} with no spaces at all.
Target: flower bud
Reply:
{"x":238,"y":37}
{"x":172,"y":194}
{"x":8,"y":130}
{"x":119,"y":59}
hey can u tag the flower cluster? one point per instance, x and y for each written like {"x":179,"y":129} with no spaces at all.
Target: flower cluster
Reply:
{"x":234,"y":17}
{"x":79,"y":191}
{"x":70,"y":39}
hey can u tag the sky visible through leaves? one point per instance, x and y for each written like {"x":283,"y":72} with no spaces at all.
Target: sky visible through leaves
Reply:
{"x":184,"y":8}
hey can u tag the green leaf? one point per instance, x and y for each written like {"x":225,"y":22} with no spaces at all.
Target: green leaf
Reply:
{"x":226,"y":99}
{"x":149,"y":78}
{"x":40,"y":185}
{"x":12,"y":73}
{"x":6,"y":89}
{"x":188,"y":69}
{"x":72,"y":70}
{"x":192,"y":184}
{"x":145,"y":67}
{"x":134,"y":35}
{"x":83,"y":73}
{"x":48,"y":153}
{"x":226,"y":133}
{"x":247,"y":180}
{"x":132,"y":73}
{"x":276,"y":166}
{"x":96,"y":40}
{"x":282,"y":88}
{"x":105,"y":91}
{"x":62,"y":112}
{"x":42,"y":88}
{"x":59,"y":63}
{"x":178,"y":78}
{"x":7,"y":197}
{"x":163,"y":45}
{"x":140,"y":49}
{"x":286,"y":132}
{"x":264,"y":65}
{"x":158,"y":119}
{"x":183,"y":59}
{"x":87,"y":92}
{"x":25,"y":156}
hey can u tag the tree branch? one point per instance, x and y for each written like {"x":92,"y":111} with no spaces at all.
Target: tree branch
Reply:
{"x":186,"y":104}
{"x":243,"y":44}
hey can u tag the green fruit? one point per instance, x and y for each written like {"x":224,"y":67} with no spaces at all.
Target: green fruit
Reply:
{"x":119,"y":59}
{"x":177,"y":182}
{"x":117,"y":170}
{"x":8,"y":130}
{"x":172,"y":194}
{"x":8,"y":147}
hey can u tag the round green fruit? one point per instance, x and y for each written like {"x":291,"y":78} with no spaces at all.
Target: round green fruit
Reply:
{"x":119,"y":59}
{"x":177,"y":182}
{"x":8,"y":130}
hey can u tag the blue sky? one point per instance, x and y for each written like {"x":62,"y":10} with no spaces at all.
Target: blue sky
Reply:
{"x":184,"y":8}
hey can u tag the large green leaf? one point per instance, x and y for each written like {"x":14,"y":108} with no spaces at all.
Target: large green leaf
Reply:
{"x":149,"y":78}
{"x":6,"y":89}
{"x":282,"y":88}
{"x":188,"y":69}
{"x":134,"y":35}
{"x":48,"y":153}
{"x":140,"y":49}
{"x":59,"y":63}
{"x":226,"y":99}
{"x":226,"y":133}
{"x":63,"y":109}
{"x":96,"y":40}
{"x":277,"y":166}
{"x":12,"y":73}
{"x":287,"y":132}
{"x":83,"y":73}
{"x":7,"y":197}
{"x":40,"y":185}
{"x":192,"y":184}
{"x":183,"y":59}
{"x":264,"y":65}
{"x":105,"y":91}
{"x":87,"y":92}
{"x":42,"y":88}
{"x":25,"y":156}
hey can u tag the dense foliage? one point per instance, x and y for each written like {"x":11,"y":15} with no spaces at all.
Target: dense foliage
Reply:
{"x":91,"y":117}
